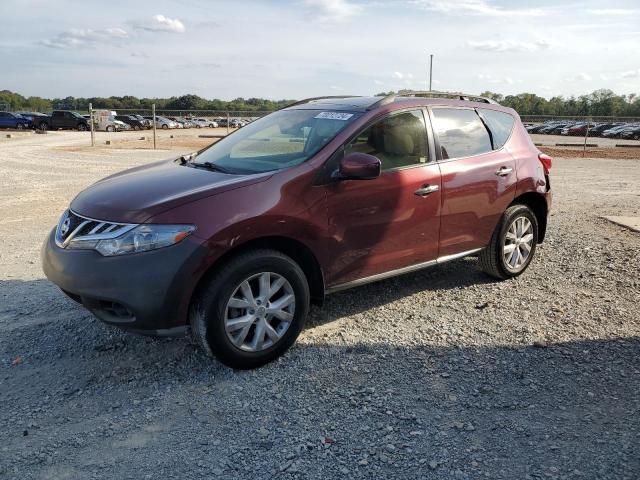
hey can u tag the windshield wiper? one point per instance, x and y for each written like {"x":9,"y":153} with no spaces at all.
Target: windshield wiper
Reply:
{"x":211,"y":166}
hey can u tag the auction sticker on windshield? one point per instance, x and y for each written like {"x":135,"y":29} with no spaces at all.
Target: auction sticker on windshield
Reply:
{"x":334,"y":115}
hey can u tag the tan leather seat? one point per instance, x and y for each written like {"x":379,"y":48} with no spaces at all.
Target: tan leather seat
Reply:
{"x":399,"y":147}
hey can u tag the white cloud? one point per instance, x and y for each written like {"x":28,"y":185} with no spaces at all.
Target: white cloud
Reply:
{"x":580,"y":77}
{"x":474,"y":7}
{"x":487,"y":78}
{"x":160,"y":23}
{"x":397,"y":75}
{"x":333,"y":10}
{"x":509,"y":45}
{"x":90,"y":38}
{"x":614,"y":11}
{"x":86,"y":37}
{"x":631,"y":73}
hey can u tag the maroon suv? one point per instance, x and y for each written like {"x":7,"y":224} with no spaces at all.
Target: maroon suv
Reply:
{"x":237,"y":240}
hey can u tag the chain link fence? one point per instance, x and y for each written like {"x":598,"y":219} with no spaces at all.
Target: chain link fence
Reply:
{"x":167,"y":119}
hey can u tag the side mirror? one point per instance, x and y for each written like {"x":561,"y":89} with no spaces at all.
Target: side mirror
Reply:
{"x":359,"y":166}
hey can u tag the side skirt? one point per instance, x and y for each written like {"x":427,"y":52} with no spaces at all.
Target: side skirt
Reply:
{"x":399,"y":271}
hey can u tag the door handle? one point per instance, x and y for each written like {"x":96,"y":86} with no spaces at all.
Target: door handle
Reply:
{"x":504,"y":171}
{"x":426,"y":190}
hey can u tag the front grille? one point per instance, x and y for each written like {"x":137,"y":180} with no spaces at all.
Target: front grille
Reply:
{"x":76,"y":227}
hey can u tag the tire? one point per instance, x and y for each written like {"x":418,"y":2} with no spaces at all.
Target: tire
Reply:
{"x":110,"y":128}
{"x":209,"y":311}
{"x":43,"y":126}
{"x":165,"y":126}
{"x":492,"y":259}
{"x":20,"y":126}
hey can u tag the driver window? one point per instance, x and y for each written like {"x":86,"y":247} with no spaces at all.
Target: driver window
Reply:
{"x":399,"y":140}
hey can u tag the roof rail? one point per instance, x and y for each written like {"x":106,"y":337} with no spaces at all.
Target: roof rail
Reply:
{"x":311,"y":99}
{"x":431,"y":94}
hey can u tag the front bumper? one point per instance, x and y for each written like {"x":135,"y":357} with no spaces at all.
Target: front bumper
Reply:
{"x":146,"y":292}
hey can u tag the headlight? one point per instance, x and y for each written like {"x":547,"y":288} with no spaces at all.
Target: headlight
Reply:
{"x":142,"y":238}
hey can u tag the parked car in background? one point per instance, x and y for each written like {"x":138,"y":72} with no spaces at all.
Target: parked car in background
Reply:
{"x":237,"y":123}
{"x":601,"y":127}
{"x":14,"y":120}
{"x":64,"y":120}
{"x":162,"y":122}
{"x":132,"y":121}
{"x":615,"y":131}
{"x":631,"y":133}
{"x":211,"y":123}
{"x":577,"y":129}
{"x":199,"y":123}
{"x":234,"y":243}
{"x":145,"y":122}
{"x":33,"y":117}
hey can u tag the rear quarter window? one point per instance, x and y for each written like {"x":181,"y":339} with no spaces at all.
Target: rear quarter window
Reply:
{"x":500,"y":124}
{"x":460,"y":132}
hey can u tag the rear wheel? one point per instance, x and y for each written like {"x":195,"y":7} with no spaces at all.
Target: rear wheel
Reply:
{"x":251,"y":310}
{"x":513,"y":244}
{"x":110,"y":128}
{"x":165,"y":126}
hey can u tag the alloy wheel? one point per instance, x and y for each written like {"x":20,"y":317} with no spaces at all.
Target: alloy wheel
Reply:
{"x":518,"y":243}
{"x":259,"y":311}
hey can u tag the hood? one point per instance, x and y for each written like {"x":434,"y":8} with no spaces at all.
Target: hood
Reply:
{"x":134,"y":195}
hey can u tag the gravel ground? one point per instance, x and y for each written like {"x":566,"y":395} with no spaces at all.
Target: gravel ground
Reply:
{"x":442,"y":374}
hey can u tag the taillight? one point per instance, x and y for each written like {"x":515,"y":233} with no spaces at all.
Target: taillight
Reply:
{"x":546,"y":162}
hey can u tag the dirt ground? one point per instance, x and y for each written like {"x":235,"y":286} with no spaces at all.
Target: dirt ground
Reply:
{"x":440,"y":374}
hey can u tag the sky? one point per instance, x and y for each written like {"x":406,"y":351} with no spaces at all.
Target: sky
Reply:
{"x":304,"y":48}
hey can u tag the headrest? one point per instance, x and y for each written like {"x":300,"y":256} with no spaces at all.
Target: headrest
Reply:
{"x":398,"y":142}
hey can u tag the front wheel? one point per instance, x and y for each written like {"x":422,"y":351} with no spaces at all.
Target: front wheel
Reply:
{"x":165,"y":126}
{"x":20,"y":126}
{"x":251,"y":310}
{"x":82,"y":127}
{"x":513,"y":244}
{"x":110,"y":128}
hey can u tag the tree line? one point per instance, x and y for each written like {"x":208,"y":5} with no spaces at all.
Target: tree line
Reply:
{"x":601,"y":102}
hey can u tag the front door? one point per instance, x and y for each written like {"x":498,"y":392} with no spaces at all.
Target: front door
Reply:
{"x":392,"y":221}
{"x":478,"y":178}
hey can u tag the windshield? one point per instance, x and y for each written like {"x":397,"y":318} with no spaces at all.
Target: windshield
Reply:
{"x":279,"y":140}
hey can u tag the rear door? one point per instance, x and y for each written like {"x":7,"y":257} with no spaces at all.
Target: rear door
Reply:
{"x":478,"y":177}
{"x":57,"y":119}
{"x":4,"y":119}
{"x":393,"y":221}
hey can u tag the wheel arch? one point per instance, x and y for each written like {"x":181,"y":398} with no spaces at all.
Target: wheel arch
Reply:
{"x":537,"y":203}
{"x":293,"y":248}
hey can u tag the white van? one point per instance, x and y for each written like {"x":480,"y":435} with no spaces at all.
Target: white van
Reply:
{"x":105,"y":120}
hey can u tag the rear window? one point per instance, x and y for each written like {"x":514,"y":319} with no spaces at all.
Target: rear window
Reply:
{"x":500,"y":124}
{"x":460,"y":132}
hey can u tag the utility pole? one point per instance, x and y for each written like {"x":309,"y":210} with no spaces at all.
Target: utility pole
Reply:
{"x":153,"y":113}
{"x":93,"y":135}
{"x":430,"y":71}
